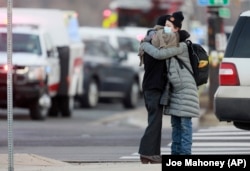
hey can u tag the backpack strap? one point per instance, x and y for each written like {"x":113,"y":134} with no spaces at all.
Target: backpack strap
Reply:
{"x":190,"y":47}
{"x":181,"y":63}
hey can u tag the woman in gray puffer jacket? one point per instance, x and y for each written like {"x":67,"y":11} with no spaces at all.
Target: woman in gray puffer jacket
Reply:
{"x":181,"y":101}
{"x":184,"y":100}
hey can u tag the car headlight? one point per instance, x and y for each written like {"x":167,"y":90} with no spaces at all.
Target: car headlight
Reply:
{"x":33,"y":73}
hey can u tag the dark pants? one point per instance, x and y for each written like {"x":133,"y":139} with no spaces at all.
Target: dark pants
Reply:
{"x":151,"y":140}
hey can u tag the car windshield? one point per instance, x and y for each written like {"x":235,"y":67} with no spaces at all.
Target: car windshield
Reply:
{"x":25,"y":43}
{"x":239,"y":40}
{"x":98,"y":48}
{"x":128,"y":44}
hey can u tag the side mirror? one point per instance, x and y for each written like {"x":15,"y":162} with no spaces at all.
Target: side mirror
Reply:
{"x":52,"y":53}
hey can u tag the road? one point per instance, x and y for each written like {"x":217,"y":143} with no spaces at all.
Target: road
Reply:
{"x":100,"y":134}
{"x":107,"y":133}
{"x":215,"y":140}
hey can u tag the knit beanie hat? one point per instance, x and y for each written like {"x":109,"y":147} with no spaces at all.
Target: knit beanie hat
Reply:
{"x":162,"y":20}
{"x":176,"y":19}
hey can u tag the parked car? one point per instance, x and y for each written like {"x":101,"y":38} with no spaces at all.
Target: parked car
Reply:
{"x":138,"y":32}
{"x":121,"y":41}
{"x":105,"y":77}
{"x":232,"y":98}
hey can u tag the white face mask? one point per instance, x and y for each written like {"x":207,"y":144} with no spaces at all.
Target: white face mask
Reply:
{"x":167,"y":29}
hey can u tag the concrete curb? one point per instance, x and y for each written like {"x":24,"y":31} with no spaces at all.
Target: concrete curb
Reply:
{"x":138,"y":118}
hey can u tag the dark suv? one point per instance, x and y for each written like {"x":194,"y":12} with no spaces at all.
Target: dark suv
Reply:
{"x":232,"y":98}
{"x":105,"y":76}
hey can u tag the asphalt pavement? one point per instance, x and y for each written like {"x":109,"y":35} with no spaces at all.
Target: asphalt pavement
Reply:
{"x":33,"y":162}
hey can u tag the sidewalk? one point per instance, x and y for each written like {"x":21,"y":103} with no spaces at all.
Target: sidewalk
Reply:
{"x":32,"y":162}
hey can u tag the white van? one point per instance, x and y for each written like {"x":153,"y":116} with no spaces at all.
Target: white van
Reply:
{"x":119,"y":40}
{"x":47,"y":61}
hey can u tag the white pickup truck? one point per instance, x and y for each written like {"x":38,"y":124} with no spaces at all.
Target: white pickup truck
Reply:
{"x":47,"y":61}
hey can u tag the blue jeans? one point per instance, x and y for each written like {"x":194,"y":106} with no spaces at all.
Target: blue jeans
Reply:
{"x":181,"y":135}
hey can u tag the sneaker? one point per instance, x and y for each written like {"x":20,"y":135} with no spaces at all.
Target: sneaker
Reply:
{"x":151,"y":159}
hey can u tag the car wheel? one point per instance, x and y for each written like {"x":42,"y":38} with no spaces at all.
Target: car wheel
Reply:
{"x":132,"y":97}
{"x":91,"y":97}
{"x":242,"y":125}
{"x":38,"y":112}
{"x":39,"y":108}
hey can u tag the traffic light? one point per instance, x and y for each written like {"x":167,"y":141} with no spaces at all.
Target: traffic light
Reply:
{"x":109,"y":19}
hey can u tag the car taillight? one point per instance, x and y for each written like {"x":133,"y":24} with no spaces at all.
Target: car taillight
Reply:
{"x":4,"y":68}
{"x":228,"y":74}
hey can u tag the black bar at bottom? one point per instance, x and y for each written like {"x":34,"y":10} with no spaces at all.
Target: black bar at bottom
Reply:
{"x":205,"y":161}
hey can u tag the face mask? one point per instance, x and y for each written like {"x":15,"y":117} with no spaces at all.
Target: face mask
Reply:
{"x":167,"y":29}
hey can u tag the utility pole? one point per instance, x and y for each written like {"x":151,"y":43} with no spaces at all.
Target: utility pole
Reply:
{"x":215,"y":35}
{"x":215,"y":26}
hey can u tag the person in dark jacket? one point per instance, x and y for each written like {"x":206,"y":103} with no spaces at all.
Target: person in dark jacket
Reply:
{"x":154,"y":82}
{"x":183,"y":102}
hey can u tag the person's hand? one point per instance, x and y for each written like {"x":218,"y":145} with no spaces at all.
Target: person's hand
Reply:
{"x":147,"y":38}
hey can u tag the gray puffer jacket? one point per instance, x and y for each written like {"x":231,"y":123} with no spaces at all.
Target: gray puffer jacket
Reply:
{"x":183,"y":94}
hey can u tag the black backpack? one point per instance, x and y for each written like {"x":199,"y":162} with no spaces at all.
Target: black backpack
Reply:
{"x":199,"y":61}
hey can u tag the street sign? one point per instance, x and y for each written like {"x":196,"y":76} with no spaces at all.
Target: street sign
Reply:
{"x":213,"y":2}
{"x":218,"y":2}
{"x":224,"y":13}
